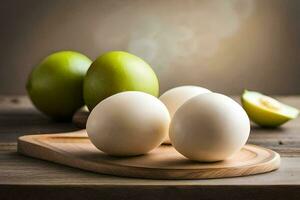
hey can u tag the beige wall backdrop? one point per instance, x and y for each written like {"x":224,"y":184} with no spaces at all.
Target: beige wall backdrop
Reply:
{"x":225,"y":46}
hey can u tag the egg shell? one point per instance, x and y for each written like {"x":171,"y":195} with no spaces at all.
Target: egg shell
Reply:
{"x":175,"y":97}
{"x":209,"y":127}
{"x":128,"y":123}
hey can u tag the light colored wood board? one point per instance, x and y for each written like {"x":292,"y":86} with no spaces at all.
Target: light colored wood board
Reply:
{"x":75,"y":149}
{"x":16,"y":168}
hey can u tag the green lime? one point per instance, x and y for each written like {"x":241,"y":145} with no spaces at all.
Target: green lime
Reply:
{"x":266,"y":111}
{"x":55,"y":85}
{"x":115,"y":72}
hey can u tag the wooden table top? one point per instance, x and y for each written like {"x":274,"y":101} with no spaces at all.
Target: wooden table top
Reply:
{"x":27,"y":178}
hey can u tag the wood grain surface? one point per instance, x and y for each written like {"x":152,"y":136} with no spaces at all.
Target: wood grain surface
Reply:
{"x":22,"y":177}
{"x":75,"y":149}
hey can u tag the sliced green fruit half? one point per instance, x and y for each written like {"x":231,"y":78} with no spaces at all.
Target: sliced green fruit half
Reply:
{"x":266,"y":111}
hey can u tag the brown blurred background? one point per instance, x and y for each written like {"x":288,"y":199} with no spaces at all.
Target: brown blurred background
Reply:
{"x":225,"y":46}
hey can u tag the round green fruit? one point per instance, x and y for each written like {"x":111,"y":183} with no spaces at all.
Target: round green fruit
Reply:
{"x":115,"y":72}
{"x":55,"y":85}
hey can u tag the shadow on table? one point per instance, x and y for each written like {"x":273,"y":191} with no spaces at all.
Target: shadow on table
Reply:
{"x":17,"y":122}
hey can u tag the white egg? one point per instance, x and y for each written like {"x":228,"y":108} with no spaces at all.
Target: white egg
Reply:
{"x":175,"y":97}
{"x":128,"y":123}
{"x":209,"y":127}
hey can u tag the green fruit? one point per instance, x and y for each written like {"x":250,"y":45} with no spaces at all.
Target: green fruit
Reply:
{"x":55,"y":85}
{"x":266,"y":111}
{"x":115,"y":72}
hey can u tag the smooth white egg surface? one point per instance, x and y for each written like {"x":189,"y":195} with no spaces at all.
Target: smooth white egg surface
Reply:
{"x":128,"y":123}
{"x":175,"y":97}
{"x":209,"y":127}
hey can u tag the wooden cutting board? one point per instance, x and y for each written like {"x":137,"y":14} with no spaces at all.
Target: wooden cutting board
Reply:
{"x":75,"y":149}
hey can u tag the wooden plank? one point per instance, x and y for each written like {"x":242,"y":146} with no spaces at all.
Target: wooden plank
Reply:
{"x":151,"y":192}
{"x":21,"y":170}
{"x":21,"y":176}
{"x":75,"y":149}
